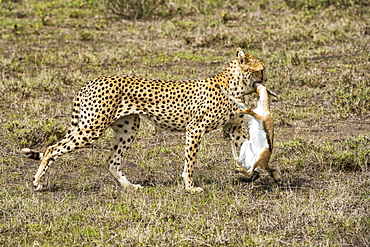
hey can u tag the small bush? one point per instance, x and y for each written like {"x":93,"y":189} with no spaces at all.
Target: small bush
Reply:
{"x":86,"y":35}
{"x":33,"y":133}
{"x":352,"y":99}
{"x":348,"y":155}
{"x":314,"y":4}
{"x":134,"y":9}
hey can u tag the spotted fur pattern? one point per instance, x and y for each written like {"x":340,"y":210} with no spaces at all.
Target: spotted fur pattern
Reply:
{"x":195,"y":107}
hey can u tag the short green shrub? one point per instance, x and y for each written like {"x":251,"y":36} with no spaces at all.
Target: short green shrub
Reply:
{"x":34,"y":133}
{"x":314,"y":4}
{"x":341,"y":155}
{"x":133,"y":9}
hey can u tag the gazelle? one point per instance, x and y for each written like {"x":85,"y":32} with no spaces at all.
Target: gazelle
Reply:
{"x":255,"y":153}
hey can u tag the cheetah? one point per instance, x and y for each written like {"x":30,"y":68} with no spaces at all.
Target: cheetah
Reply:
{"x":256,"y":152}
{"x":195,"y":107}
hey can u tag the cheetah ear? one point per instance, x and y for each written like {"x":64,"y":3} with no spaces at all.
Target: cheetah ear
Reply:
{"x":240,"y":54}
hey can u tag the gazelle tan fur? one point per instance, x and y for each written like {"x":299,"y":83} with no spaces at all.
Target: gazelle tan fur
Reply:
{"x":255,"y":153}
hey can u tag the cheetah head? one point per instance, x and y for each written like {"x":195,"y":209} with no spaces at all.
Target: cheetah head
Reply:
{"x":252,"y":70}
{"x":251,"y":67}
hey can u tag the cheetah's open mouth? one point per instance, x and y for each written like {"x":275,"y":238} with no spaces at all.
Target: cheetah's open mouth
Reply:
{"x":253,"y":84}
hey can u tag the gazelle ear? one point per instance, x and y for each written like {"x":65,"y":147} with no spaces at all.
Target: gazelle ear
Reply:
{"x":240,"y":54}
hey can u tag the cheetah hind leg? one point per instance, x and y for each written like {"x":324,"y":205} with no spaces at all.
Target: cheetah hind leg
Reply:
{"x":64,"y":146}
{"x":125,"y":130}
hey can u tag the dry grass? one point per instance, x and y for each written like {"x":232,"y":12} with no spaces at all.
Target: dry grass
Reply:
{"x":316,"y":53}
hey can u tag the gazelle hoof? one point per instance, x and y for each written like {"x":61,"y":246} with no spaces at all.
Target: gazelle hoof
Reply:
{"x":255,"y":175}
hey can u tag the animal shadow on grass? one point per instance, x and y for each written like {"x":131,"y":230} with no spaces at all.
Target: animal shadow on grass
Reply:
{"x":262,"y":184}
{"x":265,"y":183}
{"x":63,"y":186}
{"x":157,"y":183}
{"x":53,"y":187}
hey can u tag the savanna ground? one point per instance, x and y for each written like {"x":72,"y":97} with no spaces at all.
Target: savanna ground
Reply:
{"x":317,"y":59}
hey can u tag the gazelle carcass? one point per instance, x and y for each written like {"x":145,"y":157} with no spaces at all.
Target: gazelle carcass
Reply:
{"x":255,"y":153}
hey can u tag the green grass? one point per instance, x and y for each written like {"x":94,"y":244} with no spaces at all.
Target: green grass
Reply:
{"x":317,"y":60}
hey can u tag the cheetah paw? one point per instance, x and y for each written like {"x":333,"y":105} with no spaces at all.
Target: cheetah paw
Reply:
{"x":132,"y":186}
{"x":136,"y":186}
{"x":194,"y":190}
{"x":37,"y":186}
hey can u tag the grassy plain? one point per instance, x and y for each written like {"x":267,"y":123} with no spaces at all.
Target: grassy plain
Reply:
{"x":318,"y":61}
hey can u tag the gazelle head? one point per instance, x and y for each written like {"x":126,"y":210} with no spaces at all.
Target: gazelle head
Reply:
{"x":255,"y":86}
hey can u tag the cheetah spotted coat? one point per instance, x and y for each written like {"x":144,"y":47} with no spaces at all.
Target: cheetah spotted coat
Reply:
{"x":195,"y":107}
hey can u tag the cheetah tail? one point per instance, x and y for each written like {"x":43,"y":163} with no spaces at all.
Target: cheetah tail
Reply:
{"x":32,"y":154}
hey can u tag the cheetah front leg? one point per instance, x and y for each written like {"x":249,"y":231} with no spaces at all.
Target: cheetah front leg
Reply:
{"x":125,"y":130}
{"x":193,"y":138}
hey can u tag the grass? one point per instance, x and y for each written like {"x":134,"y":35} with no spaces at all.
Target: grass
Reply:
{"x":317,"y":60}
